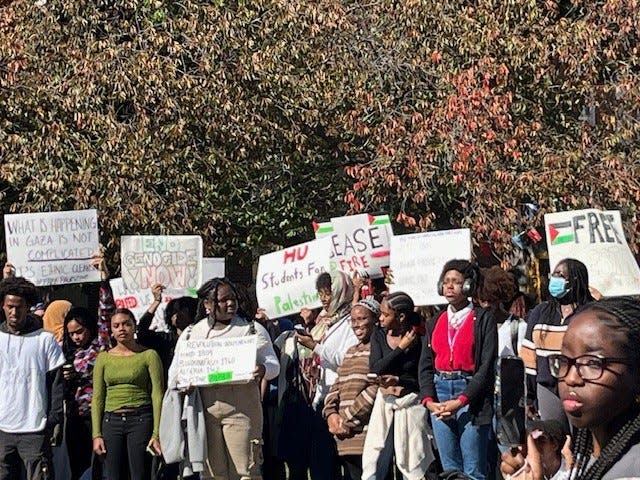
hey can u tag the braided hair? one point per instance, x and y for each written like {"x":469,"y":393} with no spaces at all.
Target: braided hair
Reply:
{"x":578,"y":281}
{"x":400,"y":302}
{"x":623,"y":315}
{"x":209,"y":291}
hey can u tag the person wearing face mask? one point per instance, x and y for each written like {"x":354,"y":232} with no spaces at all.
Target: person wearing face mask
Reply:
{"x":546,"y":326}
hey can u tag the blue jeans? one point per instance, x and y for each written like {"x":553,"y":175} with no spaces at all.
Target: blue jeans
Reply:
{"x":461,"y":445}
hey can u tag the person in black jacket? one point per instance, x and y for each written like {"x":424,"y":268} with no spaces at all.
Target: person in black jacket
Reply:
{"x":179,"y":314}
{"x":456,"y":372}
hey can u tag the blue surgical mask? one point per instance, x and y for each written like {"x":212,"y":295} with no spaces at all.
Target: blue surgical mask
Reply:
{"x":557,"y":287}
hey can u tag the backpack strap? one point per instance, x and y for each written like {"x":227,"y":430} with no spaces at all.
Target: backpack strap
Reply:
{"x":514,"y":325}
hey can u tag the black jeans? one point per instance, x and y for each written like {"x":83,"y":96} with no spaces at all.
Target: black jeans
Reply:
{"x":79,"y":444}
{"x":33,"y":449}
{"x":126,"y":436}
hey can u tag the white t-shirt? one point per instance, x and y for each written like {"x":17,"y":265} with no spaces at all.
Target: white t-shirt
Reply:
{"x":24,"y":363}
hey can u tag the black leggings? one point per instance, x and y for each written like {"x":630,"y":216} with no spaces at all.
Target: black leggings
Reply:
{"x":126,"y":436}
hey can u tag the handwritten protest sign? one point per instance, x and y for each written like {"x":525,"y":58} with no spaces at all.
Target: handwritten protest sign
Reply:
{"x":214,"y":361}
{"x":138,"y":301}
{"x":417,"y":261}
{"x":286,"y":279}
{"x":322,"y":229}
{"x":212,"y":268}
{"x":596,"y":238}
{"x":174,"y":261}
{"x":360,"y":243}
{"x":53,"y":248}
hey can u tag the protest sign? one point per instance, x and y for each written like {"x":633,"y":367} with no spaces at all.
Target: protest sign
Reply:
{"x":322,"y":229}
{"x":138,"y":301}
{"x":174,"y":261}
{"x":212,"y":268}
{"x":214,"y":361}
{"x":53,"y":248}
{"x":361,"y":243}
{"x":286,"y":279}
{"x":596,"y":238}
{"x":417,"y":261}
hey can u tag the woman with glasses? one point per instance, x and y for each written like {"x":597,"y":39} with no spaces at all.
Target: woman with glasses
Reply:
{"x":598,"y":374}
{"x":546,"y":326}
{"x":456,"y":372}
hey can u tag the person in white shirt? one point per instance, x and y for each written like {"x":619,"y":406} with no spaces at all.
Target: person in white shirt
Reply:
{"x":31,"y":384}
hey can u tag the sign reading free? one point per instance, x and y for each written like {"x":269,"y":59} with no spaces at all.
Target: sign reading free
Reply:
{"x":596,"y":238}
{"x":286,"y":279}
{"x":215,"y":361}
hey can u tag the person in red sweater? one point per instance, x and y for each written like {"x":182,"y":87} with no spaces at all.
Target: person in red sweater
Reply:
{"x":456,"y":372}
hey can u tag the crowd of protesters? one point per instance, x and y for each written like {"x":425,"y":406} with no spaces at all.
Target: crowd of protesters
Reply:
{"x":369,"y":386}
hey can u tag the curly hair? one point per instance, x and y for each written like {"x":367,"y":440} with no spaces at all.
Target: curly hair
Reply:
{"x":19,"y":287}
{"x":498,"y":286}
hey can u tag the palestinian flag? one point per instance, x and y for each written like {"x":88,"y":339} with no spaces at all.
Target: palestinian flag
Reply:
{"x":560,"y":233}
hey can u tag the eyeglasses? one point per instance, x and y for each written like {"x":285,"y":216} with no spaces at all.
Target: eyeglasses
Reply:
{"x":557,"y":275}
{"x":590,"y":367}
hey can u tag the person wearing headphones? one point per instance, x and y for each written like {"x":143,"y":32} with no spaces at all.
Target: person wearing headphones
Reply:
{"x":456,"y":372}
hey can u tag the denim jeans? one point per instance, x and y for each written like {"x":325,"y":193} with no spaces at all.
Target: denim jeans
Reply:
{"x":461,"y":445}
{"x":32,"y":449}
{"x":126,"y":436}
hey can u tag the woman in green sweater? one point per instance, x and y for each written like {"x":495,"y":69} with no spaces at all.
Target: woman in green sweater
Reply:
{"x":127,"y":397}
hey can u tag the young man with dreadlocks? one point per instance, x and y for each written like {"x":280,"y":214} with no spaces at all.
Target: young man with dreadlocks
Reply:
{"x":31,"y":384}
{"x":598,"y":373}
{"x":233,"y":413}
{"x":546,"y":326}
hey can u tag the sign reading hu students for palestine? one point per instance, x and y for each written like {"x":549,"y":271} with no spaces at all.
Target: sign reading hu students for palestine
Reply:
{"x":596,"y":238}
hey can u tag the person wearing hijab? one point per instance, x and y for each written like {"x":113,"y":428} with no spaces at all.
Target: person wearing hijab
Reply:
{"x":329,"y":340}
{"x":53,"y":319}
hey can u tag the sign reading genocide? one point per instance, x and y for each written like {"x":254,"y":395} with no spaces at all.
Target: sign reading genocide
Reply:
{"x":214,"y":361}
{"x":174,"y":261}
{"x":417,"y":260}
{"x":286,"y":279}
{"x":53,"y":248}
{"x":596,"y":238}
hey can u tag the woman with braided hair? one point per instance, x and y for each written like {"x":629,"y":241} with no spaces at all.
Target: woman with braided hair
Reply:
{"x":232,"y":412}
{"x":598,"y":372}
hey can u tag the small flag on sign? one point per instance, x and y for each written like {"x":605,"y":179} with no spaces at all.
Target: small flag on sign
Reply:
{"x":560,"y":233}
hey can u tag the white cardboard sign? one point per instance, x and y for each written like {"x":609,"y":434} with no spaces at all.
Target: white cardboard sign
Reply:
{"x":53,"y":248}
{"x":286,"y":279}
{"x":174,"y":261}
{"x":214,"y":361}
{"x":596,"y":238}
{"x":212,"y":267}
{"x":417,"y":260}
{"x":360,"y":243}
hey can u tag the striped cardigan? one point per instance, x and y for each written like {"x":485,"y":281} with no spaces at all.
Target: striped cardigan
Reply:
{"x":352,"y":397}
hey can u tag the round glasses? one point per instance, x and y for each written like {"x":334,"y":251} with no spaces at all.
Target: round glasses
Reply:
{"x":590,"y":367}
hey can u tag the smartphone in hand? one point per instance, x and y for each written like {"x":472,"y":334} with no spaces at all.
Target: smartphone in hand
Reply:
{"x":510,"y":402}
{"x":152,"y":451}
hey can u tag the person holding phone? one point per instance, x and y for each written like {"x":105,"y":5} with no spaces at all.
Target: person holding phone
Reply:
{"x":457,"y":372}
{"x":399,"y":424}
{"x":126,"y":404}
